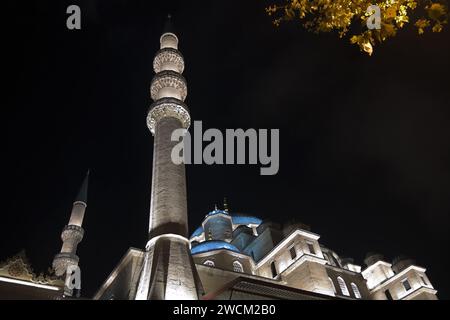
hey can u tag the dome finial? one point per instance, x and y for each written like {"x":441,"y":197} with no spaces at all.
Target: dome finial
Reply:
{"x":225,"y":204}
{"x":215,"y":207}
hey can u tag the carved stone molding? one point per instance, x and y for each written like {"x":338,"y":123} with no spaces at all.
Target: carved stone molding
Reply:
{"x":166,"y":79}
{"x":168,"y":107}
{"x":168,"y":55}
{"x":18,"y":267}
{"x":72,"y":232}
{"x":62,"y":261}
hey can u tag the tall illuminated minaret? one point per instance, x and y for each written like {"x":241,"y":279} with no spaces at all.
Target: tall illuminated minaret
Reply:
{"x":168,"y":271}
{"x":72,"y":233}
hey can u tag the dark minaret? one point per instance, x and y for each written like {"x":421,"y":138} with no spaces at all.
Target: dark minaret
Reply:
{"x":72,"y":233}
{"x":168,"y":271}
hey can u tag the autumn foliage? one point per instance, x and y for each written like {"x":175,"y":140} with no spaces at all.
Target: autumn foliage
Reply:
{"x":349,"y":17}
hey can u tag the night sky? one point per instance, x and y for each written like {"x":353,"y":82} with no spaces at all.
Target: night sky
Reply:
{"x":364,"y":141}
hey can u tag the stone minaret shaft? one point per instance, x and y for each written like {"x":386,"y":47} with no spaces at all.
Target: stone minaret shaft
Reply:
{"x":72,"y":233}
{"x":168,"y":271}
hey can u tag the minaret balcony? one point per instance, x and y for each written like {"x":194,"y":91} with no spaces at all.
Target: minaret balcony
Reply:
{"x":168,"y":59}
{"x":168,"y":84}
{"x":72,"y":233}
{"x":62,"y":261}
{"x":168,"y":107}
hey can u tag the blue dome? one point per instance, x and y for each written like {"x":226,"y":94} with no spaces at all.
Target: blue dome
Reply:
{"x":197,"y":232}
{"x":211,"y":245}
{"x":246,"y":220}
{"x":237,"y":219}
{"x":217,"y":211}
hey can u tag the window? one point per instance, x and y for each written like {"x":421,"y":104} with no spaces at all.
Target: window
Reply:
{"x":273,"y":268}
{"x":332,"y":285}
{"x":355,"y":291}
{"x":406,"y":285}
{"x":343,"y":286}
{"x":237,"y":266}
{"x":424,"y":281}
{"x":209,"y":263}
{"x":311,"y":248}
{"x":388,"y":295}
{"x":293,"y":253}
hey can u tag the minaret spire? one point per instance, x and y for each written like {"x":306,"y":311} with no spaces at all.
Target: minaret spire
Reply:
{"x":168,"y":271}
{"x":168,"y":26}
{"x":82,"y":194}
{"x":72,"y":235}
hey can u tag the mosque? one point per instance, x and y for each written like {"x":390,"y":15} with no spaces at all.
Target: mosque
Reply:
{"x":229,"y":257}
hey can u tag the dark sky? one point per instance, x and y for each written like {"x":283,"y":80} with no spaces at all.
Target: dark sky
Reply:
{"x":364,"y":156}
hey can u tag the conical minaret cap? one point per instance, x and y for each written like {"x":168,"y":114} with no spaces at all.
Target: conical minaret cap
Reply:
{"x":168,"y":26}
{"x":83,"y":193}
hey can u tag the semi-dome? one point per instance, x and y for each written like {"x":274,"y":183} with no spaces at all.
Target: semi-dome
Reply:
{"x":211,"y":245}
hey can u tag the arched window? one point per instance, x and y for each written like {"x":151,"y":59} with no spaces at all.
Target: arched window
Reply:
{"x":355,"y":290}
{"x":332,"y":285}
{"x":237,"y":266}
{"x":209,"y":263}
{"x":343,"y":286}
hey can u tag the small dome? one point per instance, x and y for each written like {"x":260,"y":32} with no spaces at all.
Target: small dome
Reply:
{"x":211,"y":245}
{"x":372,"y":258}
{"x":217,"y":211}
{"x":402,"y":262}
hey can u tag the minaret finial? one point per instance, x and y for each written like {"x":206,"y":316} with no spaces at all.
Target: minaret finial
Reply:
{"x":225,"y":204}
{"x":168,"y":26}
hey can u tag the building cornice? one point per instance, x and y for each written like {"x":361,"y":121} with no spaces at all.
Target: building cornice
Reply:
{"x":417,"y":291}
{"x":29,"y":284}
{"x":395,"y":277}
{"x":292,"y":235}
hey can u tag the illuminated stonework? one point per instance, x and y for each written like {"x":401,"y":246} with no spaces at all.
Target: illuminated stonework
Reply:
{"x":72,"y":234}
{"x":168,"y":84}
{"x":62,"y":261}
{"x":168,"y":271}
{"x":168,"y":107}
{"x":168,"y":57}
{"x":292,"y":256}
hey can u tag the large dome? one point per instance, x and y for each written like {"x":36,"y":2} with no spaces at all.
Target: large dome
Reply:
{"x":211,"y":245}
